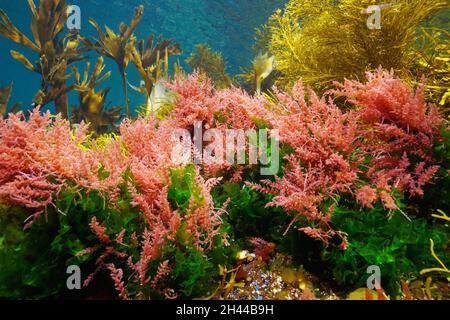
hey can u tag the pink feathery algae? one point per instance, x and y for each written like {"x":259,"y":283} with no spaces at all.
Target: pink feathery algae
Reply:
{"x":99,"y":231}
{"x":41,"y":155}
{"x":199,"y":107}
{"x":148,"y":146}
{"x":162,"y":224}
{"x":387,"y":99}
{"x":399,"y":126}
{"x":23,"y":172}
{"x":117,"y":277}
{"x":203,"y":221}
{"x":38,"y":156}
{"x":392,"y":127}
{"x":196,"y":100}
{"x":323,"y":162}
{"x":162,"y":272}
{"x":149,"y":149}
{"x":367,"y":196}
{"x":239,"y":110}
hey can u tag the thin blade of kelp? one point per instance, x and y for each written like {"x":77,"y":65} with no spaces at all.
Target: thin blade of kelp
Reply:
{"x":134,"y":23}
{"x":49,"y":21}
{"x":9,"y":30}
{"x":22,"y":59}
{"x":5,"y":95}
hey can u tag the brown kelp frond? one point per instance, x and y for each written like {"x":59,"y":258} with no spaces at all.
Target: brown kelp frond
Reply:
{"x":10,"y":31}
{"x":324,"y":41}
{"x":57,"y":94}
{"x":48,"y":20}
{"x":54,"y":62}
{"x":152,"y":63}
{"x":23,"y":60}
{"x":92,"y":107}
{"x":150,"y":52}
{"x":211,"y":63}
{"x":93,"y":110}
{"x":117,"y":46}
{"x":151,"y":59}
{"x":52,"y":66}
{"x":56,"y":53}
{"x":92,"y":81}
{"x":5,"y":96}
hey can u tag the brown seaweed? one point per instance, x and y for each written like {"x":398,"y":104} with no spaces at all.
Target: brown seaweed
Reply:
{"x":5,"y":96}
{"x":211,"y":63}
{"x":55,"y":53}
{"x":148,"y":60}
{"x":92,"y":108}
{"x":118,"y":47}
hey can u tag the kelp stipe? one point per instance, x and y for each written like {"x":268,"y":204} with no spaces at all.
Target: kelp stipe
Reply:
{"x":117,"y":46}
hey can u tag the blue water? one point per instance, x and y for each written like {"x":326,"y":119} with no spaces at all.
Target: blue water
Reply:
{"x":227,"y":26}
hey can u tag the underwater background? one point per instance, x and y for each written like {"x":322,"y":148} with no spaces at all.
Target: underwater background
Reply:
{"x":347,"y":103}
{"x":227,"y":26}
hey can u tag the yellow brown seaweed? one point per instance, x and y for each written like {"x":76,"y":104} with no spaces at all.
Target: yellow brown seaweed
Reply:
{"x":92,"y":108}
{"x":325,"y":41}
{"x":47,"y":24}
{"x":151,"y":60}
{"x":211,"y":63}
{"x":118,"y":46}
